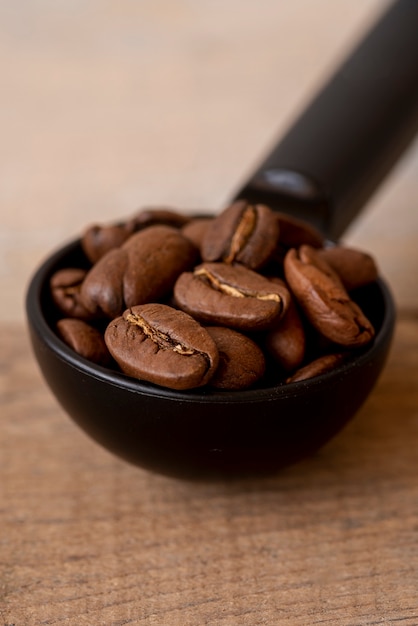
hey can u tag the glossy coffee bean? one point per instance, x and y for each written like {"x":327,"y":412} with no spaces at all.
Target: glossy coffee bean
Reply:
{"x":324,"y":300}
{"x":232,"y":296}
{"x":84,"y":339}
{"x":242,"y":233}
{"x":241,"y":361}
{"x":144,"y":269}
{"x":162,"y":345}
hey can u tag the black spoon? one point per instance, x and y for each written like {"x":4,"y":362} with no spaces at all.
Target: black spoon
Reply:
{"x":323,"y":170}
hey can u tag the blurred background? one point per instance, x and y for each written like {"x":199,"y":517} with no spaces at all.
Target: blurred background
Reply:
{"x":109,"y":105}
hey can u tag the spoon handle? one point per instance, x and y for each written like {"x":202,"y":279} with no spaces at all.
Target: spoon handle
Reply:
{"x":337,"y":152}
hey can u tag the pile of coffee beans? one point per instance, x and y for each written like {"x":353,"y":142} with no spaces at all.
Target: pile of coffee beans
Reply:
{"x":228,"y":301}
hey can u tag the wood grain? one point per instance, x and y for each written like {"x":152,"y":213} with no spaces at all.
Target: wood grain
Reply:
{"x":87,"y":539}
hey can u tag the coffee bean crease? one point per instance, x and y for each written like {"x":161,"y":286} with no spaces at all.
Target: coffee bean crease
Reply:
{"x":161,"y":339}
{"x":242,"y":234}
{"x":234,"y":291}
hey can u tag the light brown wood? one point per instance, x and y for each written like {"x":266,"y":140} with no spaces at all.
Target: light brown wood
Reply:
{"x":87,"y":539}
{"x":109,"y":106}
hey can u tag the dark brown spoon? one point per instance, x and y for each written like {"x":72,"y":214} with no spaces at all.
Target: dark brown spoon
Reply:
{"x":323,"y":170}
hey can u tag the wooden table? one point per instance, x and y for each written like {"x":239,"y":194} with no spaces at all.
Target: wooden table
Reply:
{"x":109,"y":106}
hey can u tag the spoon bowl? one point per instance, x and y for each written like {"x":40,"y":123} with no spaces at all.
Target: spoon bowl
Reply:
{"x":203,"y":434}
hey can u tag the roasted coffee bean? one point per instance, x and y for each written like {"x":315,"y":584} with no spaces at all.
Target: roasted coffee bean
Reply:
{"x":143,"y":270}
{"x":242,"y":233}
{"x":324,"y":300}
{"x":65,"y":287}
{"x":162,"y":345}
{"x":241,"y":361}
{"x":196,"y":229}
{"x":294,"y":232}
{"x":99,"y":239}
{"x":321,"y":365}
{"x":84,"y":339}
{"x":354,"y":267}
{"x":232,"y":296}
{"x":157,"y":256}
{"x":286,"y":342}
{"x":163,"y":216}
{"x":102,"y":290}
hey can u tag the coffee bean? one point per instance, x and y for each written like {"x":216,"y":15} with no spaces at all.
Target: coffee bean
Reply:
{"x":163,"y":216}
{"x":354,"y":267}
{"x":321,"y":365}
{"x":232,"y":296}
{"x":102,"y":291}
{"x":241,"y":361}
{"x":84,"y":339}
{"x":65,"y":287}
{"x":157,"y":256}
{"x":324,"y":300}
{"x":162,"y":345}
{"x":99,"y":239}
{"x":196,"y":229}
{"x":286,"y":342}
{"x":294,"y":232}
{"x":143,"y":270}
{"x":242,"y":233}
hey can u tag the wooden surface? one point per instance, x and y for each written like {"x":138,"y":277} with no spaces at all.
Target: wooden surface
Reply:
{"x":107,"y":106}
